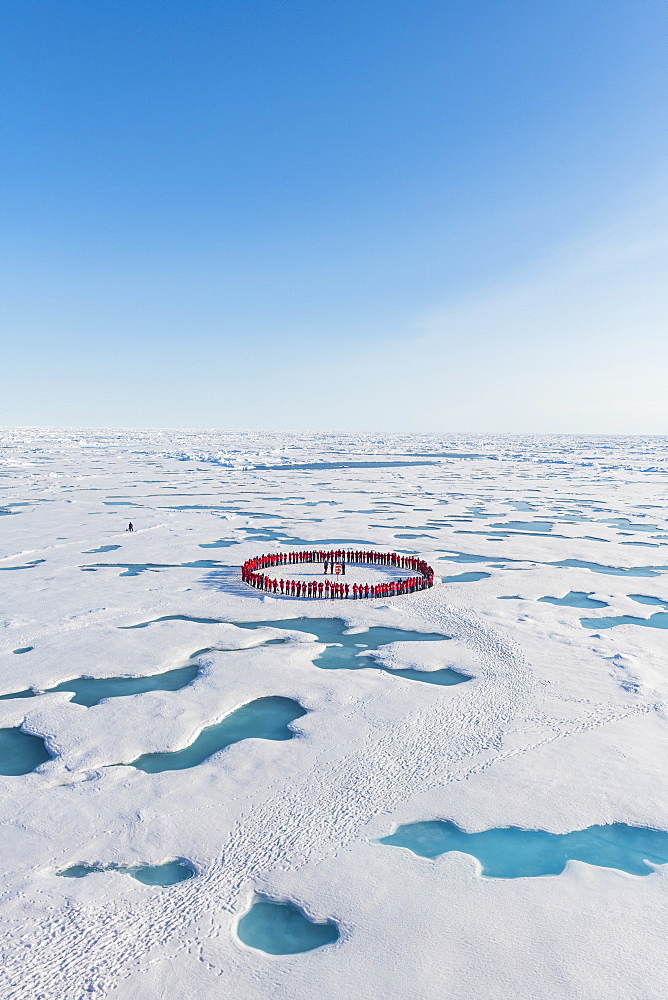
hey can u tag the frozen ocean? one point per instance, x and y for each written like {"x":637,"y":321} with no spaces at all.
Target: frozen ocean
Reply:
{"x":209,"y":791}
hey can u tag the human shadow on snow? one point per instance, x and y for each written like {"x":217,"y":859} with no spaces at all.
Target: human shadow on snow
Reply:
{"x":228,"y":579}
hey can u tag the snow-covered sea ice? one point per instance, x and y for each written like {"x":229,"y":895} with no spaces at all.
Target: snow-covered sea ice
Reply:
{"x":212,"y":791}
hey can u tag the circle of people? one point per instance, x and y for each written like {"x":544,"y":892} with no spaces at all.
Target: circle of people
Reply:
{"x":335,"y":563}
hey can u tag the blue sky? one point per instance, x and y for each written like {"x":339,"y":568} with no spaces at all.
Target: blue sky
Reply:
{"x":336,"y":214}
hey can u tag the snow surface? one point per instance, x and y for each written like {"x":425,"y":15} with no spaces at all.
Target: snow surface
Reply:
{"x":561,"y":727}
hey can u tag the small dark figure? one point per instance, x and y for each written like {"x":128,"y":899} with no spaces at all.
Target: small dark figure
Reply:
{"x":131,"y":526}
{"x":326,"y":565}
{"x":343,"y":569}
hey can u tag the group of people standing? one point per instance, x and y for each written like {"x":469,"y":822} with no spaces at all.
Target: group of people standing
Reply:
{"x":251,"y":573}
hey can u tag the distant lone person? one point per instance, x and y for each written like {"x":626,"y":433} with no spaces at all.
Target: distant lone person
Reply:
{"x":131,"y":526}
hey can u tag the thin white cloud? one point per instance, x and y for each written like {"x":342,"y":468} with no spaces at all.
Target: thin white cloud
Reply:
{"x":578,"y":342}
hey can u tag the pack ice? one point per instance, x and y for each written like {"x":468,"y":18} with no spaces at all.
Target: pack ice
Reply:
{"x":210,"y":791}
